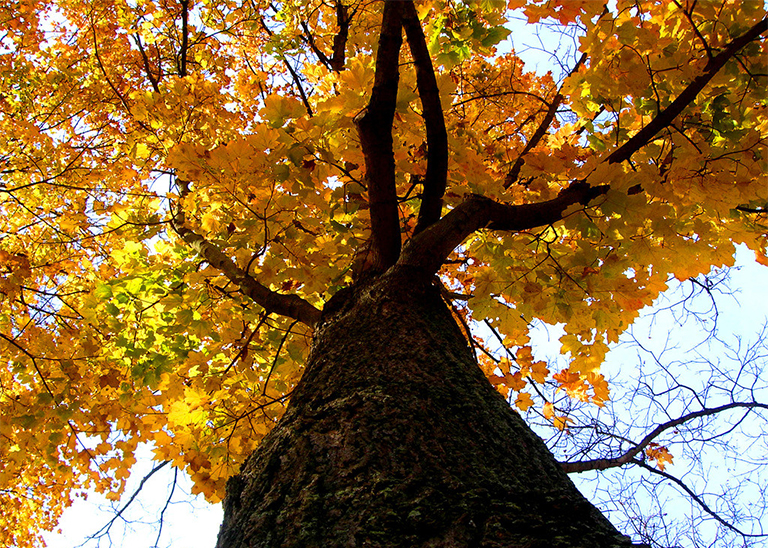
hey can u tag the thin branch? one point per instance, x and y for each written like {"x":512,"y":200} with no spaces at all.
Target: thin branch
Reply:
{"x":277,"y":355}
{"x":313,"y":46}
{"x":631,"y":453}
{"x":104,"y":70}
{"x":294,"y":74}
{"x":291,"y":306}
{"x":687,"y":96}
{"x":437,"y":136}
{"x":338,"y":58}
{"x":375,"y":128}
{"x":696,"y":498}
{"x":340,"y":40}
{"x":514,"y":173}
{"x":152,"y":79}
{"x":167,"y":504}
{"x":105,"y":529}
{"x":297,"y":81}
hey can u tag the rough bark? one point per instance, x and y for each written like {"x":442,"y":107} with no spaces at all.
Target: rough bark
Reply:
{"x":394,"y":438}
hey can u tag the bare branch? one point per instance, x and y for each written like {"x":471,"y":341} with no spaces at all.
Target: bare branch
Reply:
{"x":105,"y":529}
{"x":630,"y":454}
{"x":167,"y":504}
{"x":696,"y":498}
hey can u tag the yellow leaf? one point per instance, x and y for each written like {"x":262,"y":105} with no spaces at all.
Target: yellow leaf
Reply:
{"x":523,"y":401}
{"x":548,"y":411}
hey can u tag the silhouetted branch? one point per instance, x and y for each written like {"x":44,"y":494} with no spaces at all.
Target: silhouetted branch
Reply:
{"x":151,"y":77}
{"x":431,"y":247}
{"x":340,"y":40}
{"x":629,"y":455}
{"x":338,"y":57}
{"x":294,"y":74}
{"x":184,"y":38}
{"x":696,"y":498}
{"x":105,"y":529}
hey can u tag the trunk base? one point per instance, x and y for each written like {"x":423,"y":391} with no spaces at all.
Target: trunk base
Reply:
{"x":394,"y":438}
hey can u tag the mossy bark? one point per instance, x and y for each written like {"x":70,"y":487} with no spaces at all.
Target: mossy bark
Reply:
{"x":394,"y":438}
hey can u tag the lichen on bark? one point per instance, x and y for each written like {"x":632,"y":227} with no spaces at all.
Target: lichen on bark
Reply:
{"x":395,"y":438}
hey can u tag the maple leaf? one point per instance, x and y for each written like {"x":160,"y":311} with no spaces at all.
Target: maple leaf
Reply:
{"x":660,"y":454}
{"x":185,"y":190}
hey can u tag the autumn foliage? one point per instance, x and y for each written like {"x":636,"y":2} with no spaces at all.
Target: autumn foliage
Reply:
{"x":183,"y":186}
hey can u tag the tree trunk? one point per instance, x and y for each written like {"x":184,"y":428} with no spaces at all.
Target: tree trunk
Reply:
{"x":395,"y":438}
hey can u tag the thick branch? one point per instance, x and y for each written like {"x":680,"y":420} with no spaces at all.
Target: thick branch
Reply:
{"x":184,"y":38}
{"x":631,"y":453}
{"x":429,"y":249}
{"x":340,"y":40}
{"x":375,"y":127}
{"x":291,"y":306}
{"x":437,"y":136}
{"x":313,"y":45}
{"x":688,"y":95}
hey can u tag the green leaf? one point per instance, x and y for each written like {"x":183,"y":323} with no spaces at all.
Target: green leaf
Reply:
{"x":103,"y":291}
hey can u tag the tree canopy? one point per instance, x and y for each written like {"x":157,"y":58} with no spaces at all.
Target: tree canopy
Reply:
{"x":186,"y":184}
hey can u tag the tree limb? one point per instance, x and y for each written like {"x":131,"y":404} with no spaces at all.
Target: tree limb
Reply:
{"x":340,"y":39}
{"x":429,"y":249}
{"x":696,"y":498}
{"x":291,"y":306}
{"x":688,"y":95}
{"x":375,"y":127}
{"x":437,"y":136}
{"x":104,"y":531}
{"x":309,"y":39}
{"x":151,"y":77}
{"x":338,"y":57}
{"x":514,"y":173}
{"x":629,"y":455}
{"x":184,"y":38}
{"x":292,"y":71}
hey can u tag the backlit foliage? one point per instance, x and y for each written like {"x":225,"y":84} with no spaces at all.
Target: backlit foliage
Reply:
{"x":122,"y":124}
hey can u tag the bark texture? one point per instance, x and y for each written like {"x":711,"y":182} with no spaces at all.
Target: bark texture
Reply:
{"x":394,"y":438}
